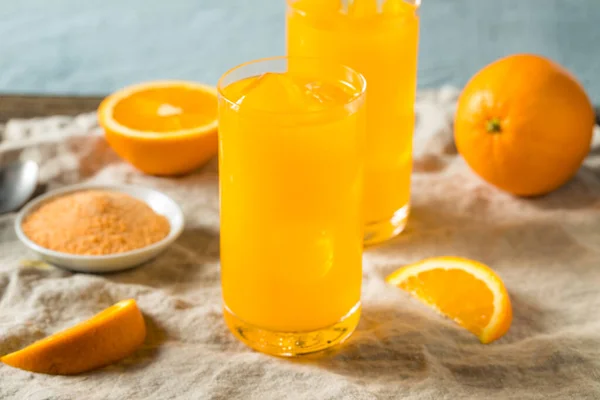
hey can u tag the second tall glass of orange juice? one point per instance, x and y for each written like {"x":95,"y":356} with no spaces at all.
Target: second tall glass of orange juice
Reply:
{"x":291,"y":156}
{"x":378,"y":38}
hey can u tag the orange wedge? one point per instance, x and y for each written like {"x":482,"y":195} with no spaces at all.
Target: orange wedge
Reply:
{"x":105,"y":338}
{"x":464,"y":290}
{"x":162,"y":127}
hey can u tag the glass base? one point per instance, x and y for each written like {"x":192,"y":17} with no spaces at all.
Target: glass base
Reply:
{"x":377,"y":232}
{"x":291,"y":344}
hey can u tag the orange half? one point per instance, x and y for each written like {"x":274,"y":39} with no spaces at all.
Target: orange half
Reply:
{"x":105,"y":338}
{"x":162,"y":127}
{"x":467,"y":291}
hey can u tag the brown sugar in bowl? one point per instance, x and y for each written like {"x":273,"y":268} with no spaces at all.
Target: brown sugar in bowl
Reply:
{"x":95,"y":222}
{"x":99,"y":228}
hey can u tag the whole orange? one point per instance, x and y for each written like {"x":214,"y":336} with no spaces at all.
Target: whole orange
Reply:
{"x":524,"y":124}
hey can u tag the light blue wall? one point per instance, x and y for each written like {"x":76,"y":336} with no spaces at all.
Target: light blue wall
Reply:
{"x":88,"y":47}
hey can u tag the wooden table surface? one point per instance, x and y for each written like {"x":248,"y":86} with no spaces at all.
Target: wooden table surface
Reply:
{"x":20,"y":106}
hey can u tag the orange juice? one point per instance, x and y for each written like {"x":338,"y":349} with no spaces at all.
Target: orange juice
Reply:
{"x":378,"y":39}
{"x":291,"y":180}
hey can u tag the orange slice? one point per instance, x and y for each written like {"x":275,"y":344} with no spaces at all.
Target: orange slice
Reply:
{"x":105,"y":338}
{"x":162,"y":127}
{"x":464,"y":290}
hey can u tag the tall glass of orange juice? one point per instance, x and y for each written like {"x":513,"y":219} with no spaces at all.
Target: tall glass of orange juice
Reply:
{"x":379,"y":39}
{"x":291,"y":155}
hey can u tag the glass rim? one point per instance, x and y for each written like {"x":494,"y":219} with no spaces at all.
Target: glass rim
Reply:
{"x":361,"y":91}
{"x":290,"y":3}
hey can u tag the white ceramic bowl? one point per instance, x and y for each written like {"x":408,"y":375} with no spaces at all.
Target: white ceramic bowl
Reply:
{"x":159,"y":202}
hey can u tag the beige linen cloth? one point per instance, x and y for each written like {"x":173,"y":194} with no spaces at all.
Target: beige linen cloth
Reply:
{"x":547,"y":250}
